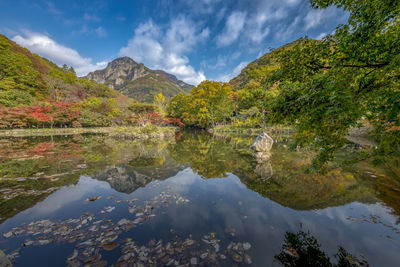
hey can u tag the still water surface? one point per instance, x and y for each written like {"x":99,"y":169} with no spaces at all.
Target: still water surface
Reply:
{"x":198,"y":199}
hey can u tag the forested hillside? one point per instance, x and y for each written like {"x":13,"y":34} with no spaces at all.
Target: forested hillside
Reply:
{"x":26,"y":78}
{"x":35,"y":92}
{"x":256,"y":72}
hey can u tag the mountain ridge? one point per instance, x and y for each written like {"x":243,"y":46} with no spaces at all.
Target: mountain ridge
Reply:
{"x":138,"y":81}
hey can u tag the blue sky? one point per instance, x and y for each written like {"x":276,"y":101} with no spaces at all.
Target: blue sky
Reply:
{"x":192,"y":39}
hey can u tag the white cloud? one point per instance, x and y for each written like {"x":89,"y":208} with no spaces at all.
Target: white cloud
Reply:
{"x":201,"y":7}
{"x":236,"y":71}
{"x":120,"y":18}
{"x":166,"y":49}
{"x":222,"y":60}
{"x":52,"y":8}
{"x":321,"y":36}
{"x":89,"y":17}
{"x":233,"y":27}
{"x":256,"y":30}
{"x":48,"y":48}
{"x":86,"y":30}
{"x":286,"y":32}
{"x":315,"y":17}
{"x":101,"y":32}
{"x":292,"y":2}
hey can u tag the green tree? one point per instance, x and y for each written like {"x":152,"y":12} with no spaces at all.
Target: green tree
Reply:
{"x":71,"y":69}
{"x":210,"y":102}
{"x":176,"y":105}
{"x":327,"y":87}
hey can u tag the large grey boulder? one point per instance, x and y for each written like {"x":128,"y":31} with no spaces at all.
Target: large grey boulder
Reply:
{"x":4,"y":260}
{"x":262,"y":143}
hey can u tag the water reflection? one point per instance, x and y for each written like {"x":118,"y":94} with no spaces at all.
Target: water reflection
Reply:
{"x":303,"y":249}
{"x":196,"y":187}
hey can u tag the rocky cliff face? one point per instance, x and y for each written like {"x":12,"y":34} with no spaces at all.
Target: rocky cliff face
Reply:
{"x":137,"y":81}
{"x":118,"y":72}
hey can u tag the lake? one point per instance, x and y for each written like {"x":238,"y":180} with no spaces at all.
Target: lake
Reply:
{"x":198,"y":199}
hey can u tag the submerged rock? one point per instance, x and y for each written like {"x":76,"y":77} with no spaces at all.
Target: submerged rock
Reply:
{"x":262,"y":143}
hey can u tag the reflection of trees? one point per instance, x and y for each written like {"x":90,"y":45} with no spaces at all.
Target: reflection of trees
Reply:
{"x":296,"y":188}
{"x":291,"y":185}
{"x":385,"y":182}
{"x":302,"y":249}
{"x":58,"y":161}
{"x":211,"y":157}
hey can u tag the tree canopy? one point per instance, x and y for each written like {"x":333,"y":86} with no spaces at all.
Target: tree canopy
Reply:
{"x":326,"y":87}
{"x":208,"y":103}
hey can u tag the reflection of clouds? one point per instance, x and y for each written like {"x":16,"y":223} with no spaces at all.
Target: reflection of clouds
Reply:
{"x":335,"y":213}
{"x":236,"y":180}
{"x":357,"y":209}
{"x":66,"y":195}
{"x":216,"y":204}
{"x":217,"y":208}
{"x":182,"y":181}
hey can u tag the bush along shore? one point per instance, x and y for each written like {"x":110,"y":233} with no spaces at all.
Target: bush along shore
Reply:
{"x":133,"y":132}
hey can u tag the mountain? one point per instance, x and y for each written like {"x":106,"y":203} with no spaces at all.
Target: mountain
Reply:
{"x":256,"y":72}
{"x":137,"y":81}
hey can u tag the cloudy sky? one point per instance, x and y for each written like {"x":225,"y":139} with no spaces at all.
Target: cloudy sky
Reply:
{"x":192,"y":39}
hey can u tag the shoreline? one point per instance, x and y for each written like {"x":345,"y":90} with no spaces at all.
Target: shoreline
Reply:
{"x":121,"y":132}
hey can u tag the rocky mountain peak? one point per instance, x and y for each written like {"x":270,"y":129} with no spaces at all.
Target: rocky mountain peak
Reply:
{"x":118,"y":72}
{"x":121,"y":62}
{"x":136,"y":80}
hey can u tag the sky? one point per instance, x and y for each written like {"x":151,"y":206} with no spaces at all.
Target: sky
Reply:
{"x":192,"y":39}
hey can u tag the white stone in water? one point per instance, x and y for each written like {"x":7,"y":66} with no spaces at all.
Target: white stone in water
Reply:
{"x":262,"y":143}
{"x":123,"y":221}
{"x":246,"y":246}
{"x":7,"y":235}
{"x":193,"y":261}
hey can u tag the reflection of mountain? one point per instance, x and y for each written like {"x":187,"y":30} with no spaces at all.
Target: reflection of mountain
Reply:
{"x":126,"y":179}
{"x":128,"y":165}
{"x":52,"y":162}
{"x":149,"y":161}
{"x":123,"y":178}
